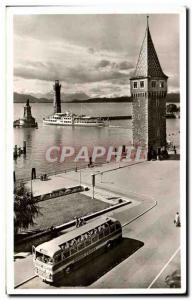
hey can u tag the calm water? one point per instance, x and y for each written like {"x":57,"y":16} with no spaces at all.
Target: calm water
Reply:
{"x":38,"y":140}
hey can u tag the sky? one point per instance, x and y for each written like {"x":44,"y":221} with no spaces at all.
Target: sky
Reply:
{"x":90,"y":54}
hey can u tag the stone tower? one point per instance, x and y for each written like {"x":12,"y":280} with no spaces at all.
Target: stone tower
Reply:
{"x":148,"y":91}
{"x":57,"y":97}
{"x":27,"y":110}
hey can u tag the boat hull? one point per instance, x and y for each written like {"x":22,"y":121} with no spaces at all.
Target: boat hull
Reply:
{"x":75,"y":124}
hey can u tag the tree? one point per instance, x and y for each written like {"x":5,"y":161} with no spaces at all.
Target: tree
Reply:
{"x":25,"y":208}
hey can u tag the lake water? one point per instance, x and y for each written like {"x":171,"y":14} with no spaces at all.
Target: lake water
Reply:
{"x":39,"y":140}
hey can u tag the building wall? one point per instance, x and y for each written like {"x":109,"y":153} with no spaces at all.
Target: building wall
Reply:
{"x":156,"y":120}
{"x":140,"y":120}
{"x":148,"y":112}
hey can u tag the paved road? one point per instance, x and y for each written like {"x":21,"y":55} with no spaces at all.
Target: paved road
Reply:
{"x":148,"y":242}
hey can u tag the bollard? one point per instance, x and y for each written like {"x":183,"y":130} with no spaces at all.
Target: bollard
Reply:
{"x":24,"y":147}
{"x":33,"y":173}
{"x":93,"y":184}
{"x":15,"y":152}
{"x":14,"y":177}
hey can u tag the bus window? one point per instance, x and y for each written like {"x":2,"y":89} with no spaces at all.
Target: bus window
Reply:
{"x":39,"y":256}
{"x":88,"y":241}
{"x":66,"y":254}
{"x":112,"y":228}
{"x":95,"y":238}
{"x":106,"y":231}
{"x":80,"y":245}
{"x":57,"y":258}
{"x":65,"y":246}
{"x":118,"y":226}
{"x":48,"y":259}
{"x":101,"y":234}
{"x":73,"y":249}
{"x":44,"y":258}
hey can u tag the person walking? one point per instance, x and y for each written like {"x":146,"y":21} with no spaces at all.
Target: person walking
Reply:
{"x":177,"y":220}
{"x":174,"y":149}
{"x":77,"y":222}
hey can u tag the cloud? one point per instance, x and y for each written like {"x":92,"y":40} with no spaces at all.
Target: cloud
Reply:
{"x":103,"y":63}
{"x":125,"y":65}
{"x":91,"y":50}
{"x":77,"y":74}
{"x":121,"y":65}
{"x":83,"y":51}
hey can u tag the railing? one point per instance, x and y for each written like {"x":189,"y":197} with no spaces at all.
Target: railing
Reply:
{"x":67,"y":170}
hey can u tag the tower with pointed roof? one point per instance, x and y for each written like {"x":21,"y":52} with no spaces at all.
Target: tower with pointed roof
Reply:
{"x":148,"y":91}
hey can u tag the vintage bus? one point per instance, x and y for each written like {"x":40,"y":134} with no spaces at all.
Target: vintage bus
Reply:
{"x":61,"y":255}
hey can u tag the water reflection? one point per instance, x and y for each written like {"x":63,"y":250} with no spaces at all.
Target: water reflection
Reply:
{"x":38,"y":140}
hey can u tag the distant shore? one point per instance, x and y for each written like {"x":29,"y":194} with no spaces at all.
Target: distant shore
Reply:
{"x":21,"y":98}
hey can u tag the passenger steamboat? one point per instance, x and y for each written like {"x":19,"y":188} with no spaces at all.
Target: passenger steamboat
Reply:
{"x":71,"y":119}
{"x":68,"y":118}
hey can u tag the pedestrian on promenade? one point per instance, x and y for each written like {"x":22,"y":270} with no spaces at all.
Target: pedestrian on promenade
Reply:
{"x":77,"y":222}
{"x":177,"y":220}
{"x":174,"y":149}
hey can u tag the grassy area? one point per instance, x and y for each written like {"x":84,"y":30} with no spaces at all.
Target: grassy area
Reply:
{"x":63,"y":209}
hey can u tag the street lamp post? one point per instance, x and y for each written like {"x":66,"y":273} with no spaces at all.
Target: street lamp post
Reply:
{"x":101,"y":176}
{"x":80,"y":175}
{"x":93,"y":184}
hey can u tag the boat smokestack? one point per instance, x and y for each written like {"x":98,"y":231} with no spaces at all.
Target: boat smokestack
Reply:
{"x":57,"y":97}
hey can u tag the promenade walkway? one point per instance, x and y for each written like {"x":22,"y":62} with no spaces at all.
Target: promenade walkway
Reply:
{"x":73,"y":178}
{"x":145,"y":183}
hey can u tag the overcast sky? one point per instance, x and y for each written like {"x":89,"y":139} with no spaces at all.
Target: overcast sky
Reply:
{"x":93,"y":54}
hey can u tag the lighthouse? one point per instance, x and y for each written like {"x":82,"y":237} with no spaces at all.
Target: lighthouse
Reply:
{"x":57,"y":97}
{"x":148,"y":92}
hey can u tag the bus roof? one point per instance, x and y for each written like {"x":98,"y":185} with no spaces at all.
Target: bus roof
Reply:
{"x":49,"y":248}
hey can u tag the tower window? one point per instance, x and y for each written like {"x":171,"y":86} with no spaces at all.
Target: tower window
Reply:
{"x":139,"y":116}
{"x":161,"y":84}
{"x":135,"y":84}
{"x":153,"y":83}
{"x":142,"y":84}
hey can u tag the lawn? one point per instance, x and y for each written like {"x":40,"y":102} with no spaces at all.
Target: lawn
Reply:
{"x":63,"y":209}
